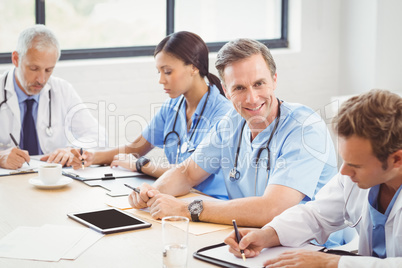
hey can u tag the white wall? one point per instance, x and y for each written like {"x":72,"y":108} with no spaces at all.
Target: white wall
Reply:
{"x":336,"y":47}
{"x":370,"y":46}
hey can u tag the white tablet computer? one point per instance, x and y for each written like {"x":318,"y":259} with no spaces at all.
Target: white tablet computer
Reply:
{"x":109,"y":220}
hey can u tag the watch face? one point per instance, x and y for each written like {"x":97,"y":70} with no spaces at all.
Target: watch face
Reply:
{"x":196,"y":207}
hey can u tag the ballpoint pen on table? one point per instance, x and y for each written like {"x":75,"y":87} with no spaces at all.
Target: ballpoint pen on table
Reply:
{"x":82,"y":161}
{"x":132,"y":188}
{"x":16,"y":144}
{"x":238,"y":238}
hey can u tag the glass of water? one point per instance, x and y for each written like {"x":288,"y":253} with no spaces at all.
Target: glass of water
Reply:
{"x":175,"y":239}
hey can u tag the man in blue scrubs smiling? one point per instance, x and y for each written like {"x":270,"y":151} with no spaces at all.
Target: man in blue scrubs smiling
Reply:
{"x":273,"y":154}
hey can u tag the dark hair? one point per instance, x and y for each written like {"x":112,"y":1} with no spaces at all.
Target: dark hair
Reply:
{"x":191,"y":49}
{"x":376,"y":116}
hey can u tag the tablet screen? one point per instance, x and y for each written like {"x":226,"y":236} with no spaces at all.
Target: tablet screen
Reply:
{"x":109,"y":220}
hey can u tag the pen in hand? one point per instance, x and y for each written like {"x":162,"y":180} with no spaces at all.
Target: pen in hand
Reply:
{"x":238,"y":238}
{"x":82,"y":161}
{"x":132,"y":188}
{"x":16,"y":144}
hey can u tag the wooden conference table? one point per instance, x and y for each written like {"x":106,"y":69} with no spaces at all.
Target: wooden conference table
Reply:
{"x":22,"y":204}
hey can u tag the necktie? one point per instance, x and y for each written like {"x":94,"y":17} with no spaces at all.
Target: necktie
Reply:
{"x":30,"y":138}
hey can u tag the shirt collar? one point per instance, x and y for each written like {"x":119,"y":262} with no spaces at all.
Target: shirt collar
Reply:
{"x":22,"y":97}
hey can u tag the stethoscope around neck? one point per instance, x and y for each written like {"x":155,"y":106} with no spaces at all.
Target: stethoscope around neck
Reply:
{"x":49,"y":129}
{"x":347,"y":222}
{"x":234,"y":174}
{"x":185,"y":146}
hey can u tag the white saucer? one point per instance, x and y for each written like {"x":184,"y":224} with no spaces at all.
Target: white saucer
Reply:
{"x":63,"y":181}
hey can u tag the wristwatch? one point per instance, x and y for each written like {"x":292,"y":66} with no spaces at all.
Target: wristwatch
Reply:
{"x":142,"y":161}
{"x":195,"y":209}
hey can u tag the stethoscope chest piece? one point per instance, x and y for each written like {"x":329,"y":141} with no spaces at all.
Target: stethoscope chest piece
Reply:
{"x":184,"y":147}
{"x":49,"y":131}
{"x":234,"y":174}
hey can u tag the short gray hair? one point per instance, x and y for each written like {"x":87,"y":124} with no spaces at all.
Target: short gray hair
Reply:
{"x":39,"y":36}
{"x":243,"y":48}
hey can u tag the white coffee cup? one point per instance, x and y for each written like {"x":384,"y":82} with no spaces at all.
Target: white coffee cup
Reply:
{"x":49,"y":173}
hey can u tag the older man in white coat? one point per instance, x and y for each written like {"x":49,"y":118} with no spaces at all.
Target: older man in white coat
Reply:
{"x":364,"y":195}
{"x":42,"y":113}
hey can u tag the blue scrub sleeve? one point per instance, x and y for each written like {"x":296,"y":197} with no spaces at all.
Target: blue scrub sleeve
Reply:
{"x":209,"y":154}
{"x":297,"y":167}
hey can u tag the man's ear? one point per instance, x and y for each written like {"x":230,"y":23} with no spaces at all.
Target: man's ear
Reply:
{"x":396,"y":158}
{"x":15,"y":58}
{"x":225,"y":90}
{"x":275,"y":80}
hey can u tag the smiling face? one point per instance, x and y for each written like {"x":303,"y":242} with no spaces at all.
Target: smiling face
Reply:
{"x":249,"y":84}
{"x":362,"y":166}
{"x":34,"y":69}
{"x":175,"y":76}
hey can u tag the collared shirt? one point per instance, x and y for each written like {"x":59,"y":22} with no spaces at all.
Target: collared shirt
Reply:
{"x":22,"y":97}
{"x":378,"y":219}
{"x":161,"y":127}
{"x":302,"y":153}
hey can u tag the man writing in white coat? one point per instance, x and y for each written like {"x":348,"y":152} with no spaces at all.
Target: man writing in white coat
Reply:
{"x":44,"y":114}
{"x":364,"y":195}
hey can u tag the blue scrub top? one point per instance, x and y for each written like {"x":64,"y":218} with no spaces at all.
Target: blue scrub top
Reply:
{"x":302,"y":153}
{"x":379,"y":220}
{"x":162,"y":124}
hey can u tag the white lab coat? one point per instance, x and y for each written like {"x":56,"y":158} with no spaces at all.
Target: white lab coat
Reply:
{"x":72,"y":123}
{"x":318,"y":219}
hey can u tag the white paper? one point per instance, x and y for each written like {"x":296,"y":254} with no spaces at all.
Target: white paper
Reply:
{"x":33,"y":166}
{"x":46,"y":243}
{"x":222,"y":253}
{"x":99,"y":172}
{"x":90,"y":238}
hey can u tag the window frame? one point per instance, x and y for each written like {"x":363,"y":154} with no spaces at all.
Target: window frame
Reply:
{"x":135,"y":51}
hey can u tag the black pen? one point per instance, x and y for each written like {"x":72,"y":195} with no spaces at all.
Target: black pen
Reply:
{"x":132,"y":188}
{"x":16,"y":144}
{"x":82,"y":161}
{"x":238,"y":238}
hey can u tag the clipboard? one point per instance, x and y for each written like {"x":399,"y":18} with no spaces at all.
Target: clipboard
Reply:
{"x":199,"y":254}
{"x":99,"y":173}
{"x":219,"y":255}
{"x":25,"y":169}
{"x":8,"y":172}
{"x":111,"y":179}
{"x":115,"y":187}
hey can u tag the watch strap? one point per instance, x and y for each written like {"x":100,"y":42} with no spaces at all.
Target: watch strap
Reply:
{"x":195,"y":218}
{"x":142,"y":161}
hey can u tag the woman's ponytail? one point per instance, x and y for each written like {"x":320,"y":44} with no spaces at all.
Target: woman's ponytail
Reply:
{"x":213,"y":79}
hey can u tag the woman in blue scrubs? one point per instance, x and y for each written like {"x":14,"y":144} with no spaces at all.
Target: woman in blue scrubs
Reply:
{"x":193,"y":107}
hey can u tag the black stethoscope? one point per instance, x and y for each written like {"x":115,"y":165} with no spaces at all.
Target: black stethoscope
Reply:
{"x":349,"y":223}
{"x":234,"y":174}
{"x":49,"y":129}
{"x":185,"y":147}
